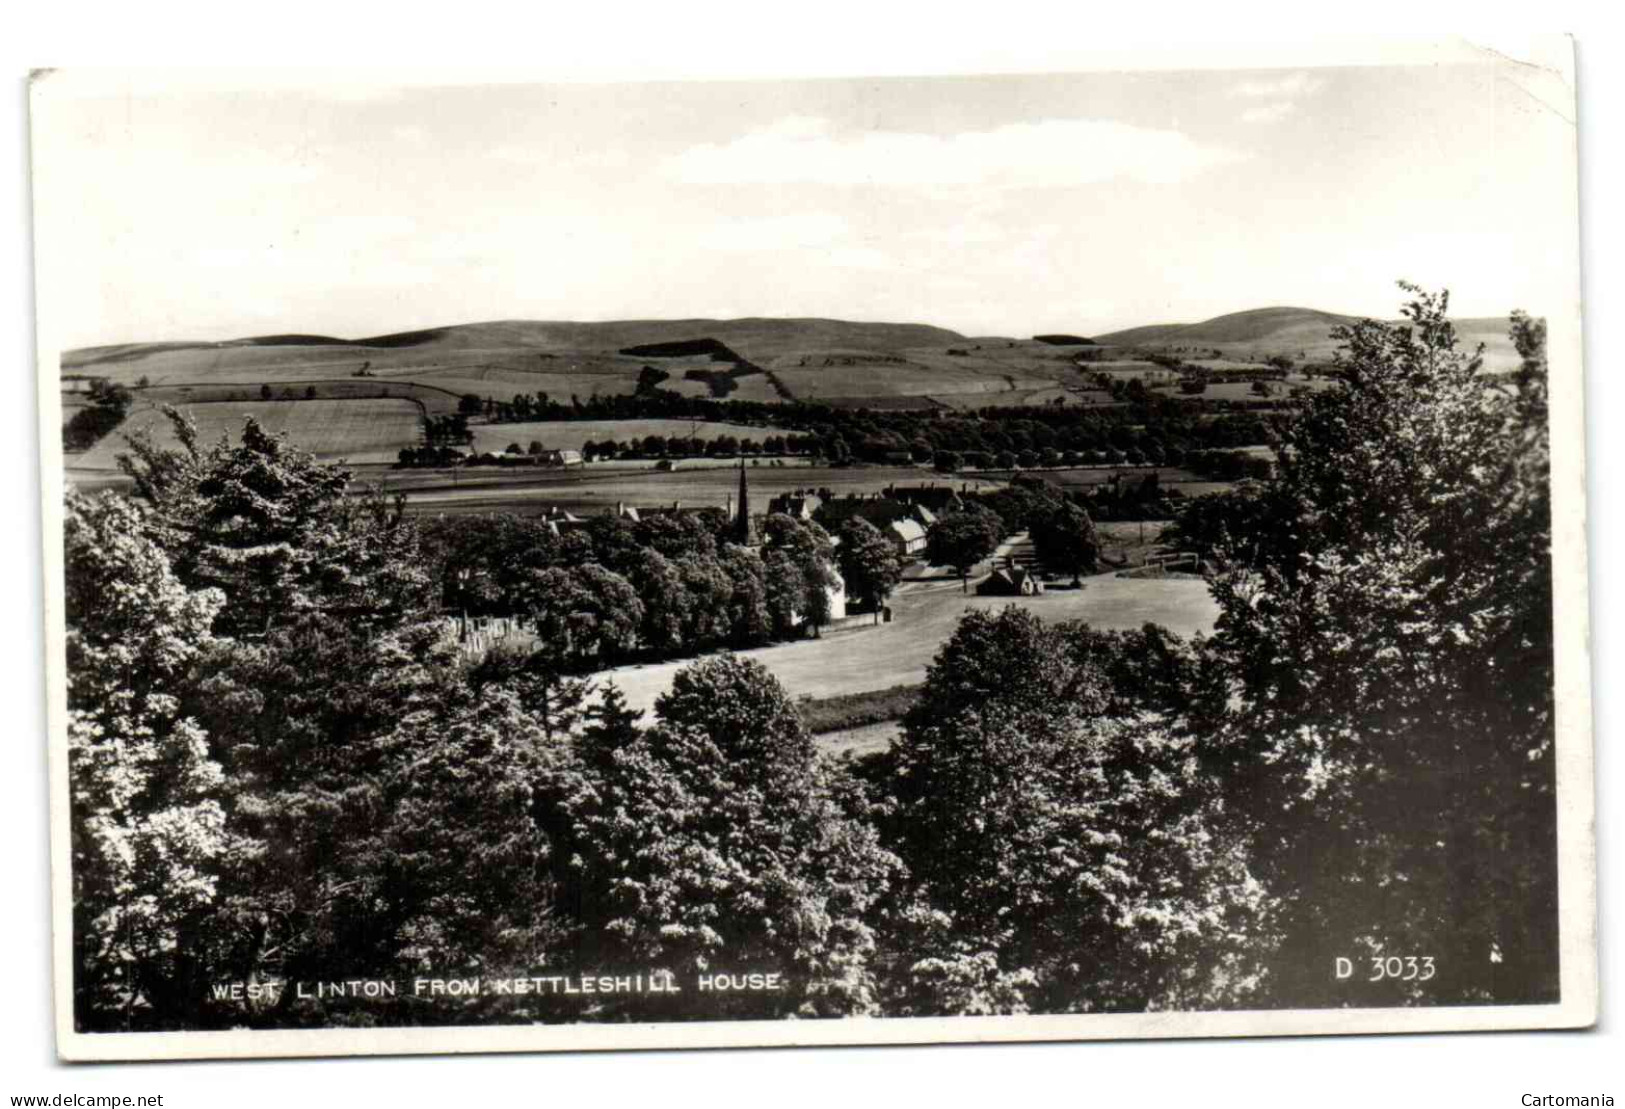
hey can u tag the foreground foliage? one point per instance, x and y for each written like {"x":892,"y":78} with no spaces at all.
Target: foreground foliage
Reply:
{"x":1386,"y":638}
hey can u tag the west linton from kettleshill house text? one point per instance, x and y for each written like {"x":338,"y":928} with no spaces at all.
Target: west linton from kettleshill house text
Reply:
{"x":614,"y":554}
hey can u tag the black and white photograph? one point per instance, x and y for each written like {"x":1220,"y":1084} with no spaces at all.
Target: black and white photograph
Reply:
{"x":552,"y":565}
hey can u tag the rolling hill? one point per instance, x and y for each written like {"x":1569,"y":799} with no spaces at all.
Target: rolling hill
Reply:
{"x":1302,"y":333}
{"x":1257,"y":325}
{"x":841,"y":362}
{"x":759,"y":340}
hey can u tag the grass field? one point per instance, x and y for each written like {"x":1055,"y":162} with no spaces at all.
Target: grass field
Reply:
{"x":570,"y":434}
{"x":869,"y":657}
{"x":357,"y":430}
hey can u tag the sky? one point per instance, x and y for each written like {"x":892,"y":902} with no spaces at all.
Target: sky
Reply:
{"x":1000,"y":205}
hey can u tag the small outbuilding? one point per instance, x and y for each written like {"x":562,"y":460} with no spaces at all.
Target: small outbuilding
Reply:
{"x":1010,"y":581}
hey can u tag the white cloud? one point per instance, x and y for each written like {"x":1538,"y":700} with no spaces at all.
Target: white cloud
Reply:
{"x":1282,"y":94}
{"x":1297,"y":84}
{"x":1056,"y":152}
{"x":613,"y":158}
{"x":1269,"y":113}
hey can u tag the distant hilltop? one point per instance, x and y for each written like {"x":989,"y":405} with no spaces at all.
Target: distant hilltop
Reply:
{"x":1257,"y":325}
{"x":1282,"y":330}
{"x":758,"y":339}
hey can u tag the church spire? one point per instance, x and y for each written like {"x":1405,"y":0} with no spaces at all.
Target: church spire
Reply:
{"x":741,"y":520}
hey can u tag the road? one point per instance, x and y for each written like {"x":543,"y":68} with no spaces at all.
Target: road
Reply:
{"x":869,"y":657}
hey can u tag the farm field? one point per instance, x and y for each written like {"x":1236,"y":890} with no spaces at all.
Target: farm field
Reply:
{"x":435,"y":402}
{"x":506,"y":385}
{"x":1220,"y":390}
{"x":357,"y":430}
{"x":590,"y":490}
{"x":570,"y":434}
{"x":751,"y":387}
{"x":871,"y":657}
{"x":914,"y":403}
{"x":888,"y":381}
{"x":252,"y":365}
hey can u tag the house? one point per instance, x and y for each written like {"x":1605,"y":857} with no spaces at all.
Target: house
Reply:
{"x":940,"y":499}
{"x":1009,"y":581}
{"x":560,"y":458}
{"x":801,"y":505}
{"x":908,"y":534}
{"x":559,"y":521}
{"x":876,"y":508}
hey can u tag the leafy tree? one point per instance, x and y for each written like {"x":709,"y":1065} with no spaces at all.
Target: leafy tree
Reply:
{"x":586,"y":614}
{"x":393,"y":802}
{"x":1391,"y":645}
{"x":1065,"y":539}
{"x":676,"y":535}
{"x":469,"y":404}
{"x":148,"y":825}
{"x":536,"y":676}
{"x":786,"y":590}
{"x":748,"y":619}
{"x":1065,"y":854}
{"x":809,"y":544}
{"x":869,"y":563}
{"x":718,"y":840}
{"x":709,"y":593}
{"x":110,"y":404}
{"x":260,"y":520}
{"x":1234,"y":523}
{"x":961,"y":540}
{"x":660,"y":588}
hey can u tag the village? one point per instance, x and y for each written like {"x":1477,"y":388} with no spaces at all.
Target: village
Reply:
{"x":862,"y":642}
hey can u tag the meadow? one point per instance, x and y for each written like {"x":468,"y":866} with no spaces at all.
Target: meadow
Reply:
{"x":868,"y":657}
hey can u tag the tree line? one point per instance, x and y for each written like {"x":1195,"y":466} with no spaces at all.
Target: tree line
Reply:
{"x":1152,"y":424}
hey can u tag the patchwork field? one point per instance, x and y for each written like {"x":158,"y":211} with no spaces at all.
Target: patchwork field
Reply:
{"x":357,"y":430}
{"x":837,"y":362}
